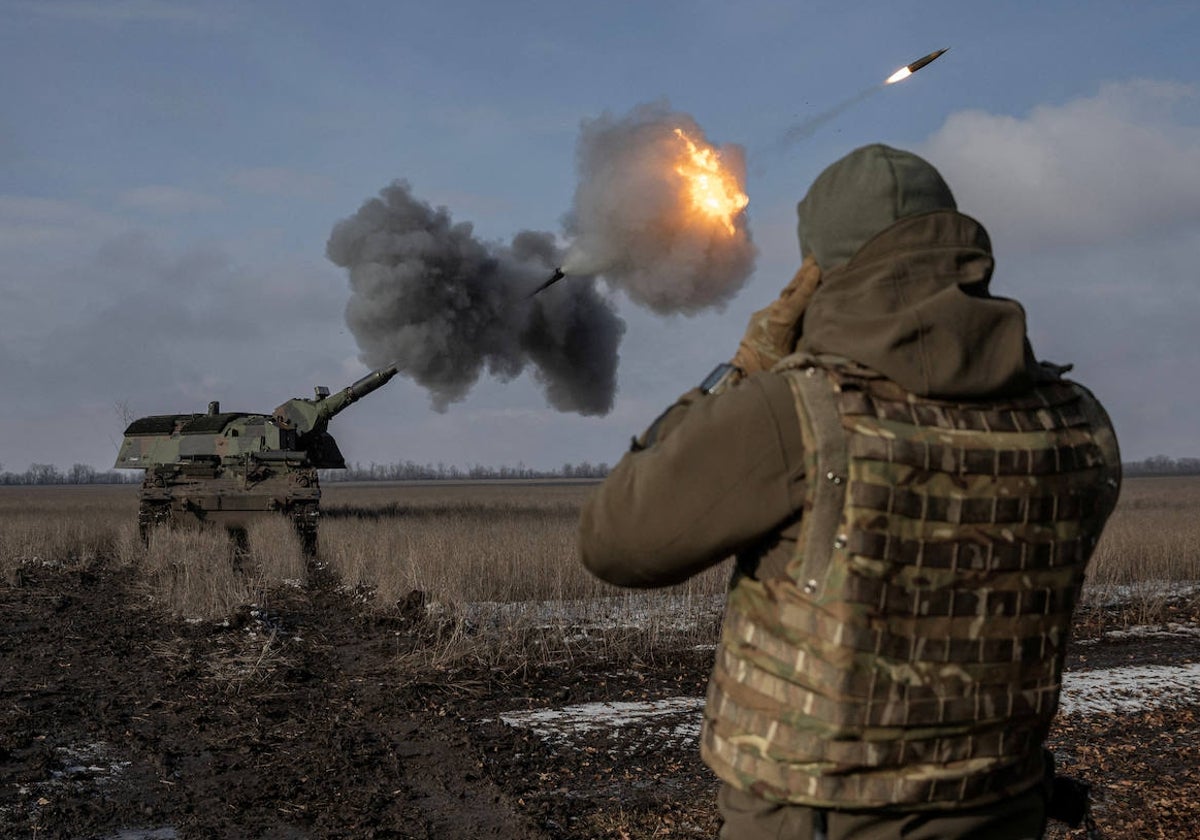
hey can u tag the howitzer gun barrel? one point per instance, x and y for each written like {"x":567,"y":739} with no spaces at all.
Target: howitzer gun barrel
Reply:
{"x":312,"y":415}
{"x":373,"y":381}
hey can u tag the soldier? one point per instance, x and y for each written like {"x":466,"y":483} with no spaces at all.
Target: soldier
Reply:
{"x":911,"y":499}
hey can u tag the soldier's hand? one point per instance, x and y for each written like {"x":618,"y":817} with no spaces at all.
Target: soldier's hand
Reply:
{"x":774,"y":330}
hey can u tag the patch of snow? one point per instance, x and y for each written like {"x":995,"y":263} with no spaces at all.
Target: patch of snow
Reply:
{"x":81,"y":769}
{"x":1130,"y":688}
{"x":586,"y":717}
{"x":674,"y":611}
{"x":1170,"y":630}
{"x":672,"y":722}
{"x":92,"y":761}
{"x":675,"y":721}
{"x":1114,"y":595}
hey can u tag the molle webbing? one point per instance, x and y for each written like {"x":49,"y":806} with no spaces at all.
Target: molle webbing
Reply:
{"x":911,"y":654}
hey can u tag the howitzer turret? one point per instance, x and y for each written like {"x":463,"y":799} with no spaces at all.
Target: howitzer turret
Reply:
{"x":312,"y":416}
{"x":232,"y":467}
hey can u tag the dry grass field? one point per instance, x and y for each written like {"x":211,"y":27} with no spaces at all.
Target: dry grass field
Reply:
{"x":1148,"y":558}
{"x":1154,"y":534}
{"x":492,"y":556}
{"x":460,"y":544}
{"x":200,"y":686}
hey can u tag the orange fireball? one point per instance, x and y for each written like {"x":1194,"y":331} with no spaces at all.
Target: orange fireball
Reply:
{"x":713,"y":190}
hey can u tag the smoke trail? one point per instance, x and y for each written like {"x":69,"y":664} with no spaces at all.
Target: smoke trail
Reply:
{"x":633,"y":219}
{"x":446,"y":306}
{"x":806,"y":128}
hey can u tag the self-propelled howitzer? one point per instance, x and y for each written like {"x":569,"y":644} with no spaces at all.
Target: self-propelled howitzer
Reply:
{"x":233,"y":467}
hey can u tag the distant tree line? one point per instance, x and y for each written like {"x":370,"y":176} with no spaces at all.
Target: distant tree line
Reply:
{"x":412,"y":471}
{"x":77,"y":474}
{"x":400,"y":471}
{"x":1162,"y":465}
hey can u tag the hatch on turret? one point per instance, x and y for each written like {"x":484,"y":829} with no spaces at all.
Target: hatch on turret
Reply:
{"x":186,"y":424}
{"x":159,"y":424}
{"x":210,"y":424}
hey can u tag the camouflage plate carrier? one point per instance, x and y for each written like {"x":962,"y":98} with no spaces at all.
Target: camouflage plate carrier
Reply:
{"x":911,"y":655}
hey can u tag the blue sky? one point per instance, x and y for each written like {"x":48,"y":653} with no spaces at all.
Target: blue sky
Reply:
{"x":170,"y":173}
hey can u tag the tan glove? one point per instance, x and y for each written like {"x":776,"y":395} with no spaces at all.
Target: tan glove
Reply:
{"x":774,"y":330}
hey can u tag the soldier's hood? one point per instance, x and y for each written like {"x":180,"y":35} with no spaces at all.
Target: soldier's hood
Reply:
{"x":913,"y":304}
{"x":904,"y":286}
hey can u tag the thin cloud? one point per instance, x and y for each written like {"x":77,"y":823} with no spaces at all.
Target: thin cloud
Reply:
{"x":161,"y":198}
{"x":41,"y":223}
{"x":1093,"y":206}
{"x":280,"y":182}
{"x":119,"y":11}
{"x":1123,"y":163}
{"x":489,"y":120}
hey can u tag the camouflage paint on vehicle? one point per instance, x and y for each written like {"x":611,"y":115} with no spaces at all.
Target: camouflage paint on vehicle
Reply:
{"x":230,"y":467}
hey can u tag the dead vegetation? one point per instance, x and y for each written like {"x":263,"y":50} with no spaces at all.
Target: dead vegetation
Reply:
{"x":1153,"y":535}
{"x":499,"y":559}
{"x":495,"y":568}
{"x":468,"y":600}
{"x":1147,"y":565}
{"x":62,"y":526}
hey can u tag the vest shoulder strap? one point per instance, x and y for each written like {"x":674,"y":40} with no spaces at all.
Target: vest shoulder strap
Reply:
{"x":821,"y":428}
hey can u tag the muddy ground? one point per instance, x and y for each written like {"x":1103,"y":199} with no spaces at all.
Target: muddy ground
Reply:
{"x":302,"y":720}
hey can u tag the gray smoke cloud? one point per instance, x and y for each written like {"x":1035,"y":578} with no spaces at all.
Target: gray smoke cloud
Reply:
{"x":446,"y":306}
{"x":633,"y":219}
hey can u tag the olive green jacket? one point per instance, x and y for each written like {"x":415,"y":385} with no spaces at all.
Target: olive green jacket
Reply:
{"x":724,"y":473}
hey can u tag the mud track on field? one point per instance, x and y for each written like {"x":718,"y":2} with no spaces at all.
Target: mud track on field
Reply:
{"x":300,"y":719}
{"x":284,"y":724}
